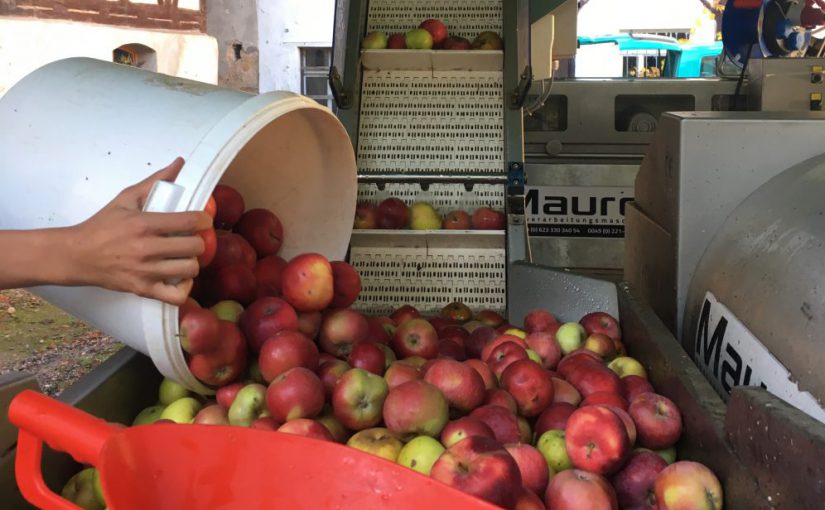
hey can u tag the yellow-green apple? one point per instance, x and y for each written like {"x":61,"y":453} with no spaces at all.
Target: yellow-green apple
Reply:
{"x":570,"y":336}
{"x":397,"y":42}
{"x":170,"y":390}
{"x":534,"y":356}
{"x":401,"y":372}
{"x":366,"y":216}
{"x":504,"y":355}
{"x":416,"y":361}
{"x":296,"y":393}
{"x":437,"y":30}
{"x":538,"y":320}
{"x":602,"y":322}
{"x":531,"y":466}
{"x":501,"y":421}
{"x":269,"y":276}
{"x":597,"y":440}
{"x":658,"y":420}
{"x":98,"y":486}
{"x":462,"y":386}
{"x":527,"y":499}
{"x":500,"y":339}
{"x":563,"y":391}
{"x":228,"y":311}
{"x":368,"y":356}
{"x":264,"y":318}
{"x":307,"y":428}
{"x":481,"y":467}
{"x":478,"y":339}
{"x":600,"y":344}
{"x":472,"y":325}
{"x":488,"y":41}
{"x":254,"y":372}
{"x":182,"y":410}
{"x":530,"y":385}
{"x":389,"y":355}
{"x":265,"y":423}
{"x":415,"y":408}
{"x":393,"y":213}
{"x":605,"y":398}
{"x":490,"y":318}
{"x":309,"y":323}
{"x":457,"y":311}
{"x":484,"y":371}
{"x":576,"y":489}
{"x":629,"y":425}
{"x":590,"y":378}
{"x":420,"y":453}
{"x":227,"y":362}
{"x":327,"y":418}
{"x":342,"y":329}
{"x":262,"y":229}
{"x":669,"y":454}
{"x":285,"y":350}
{"x":553,"y":447}
{"x":346,"y":284}
{"x":377,"y":441}
{"x":308,"y":283}
{"x":546,"y":346}
{"x":462,"y":428}
{"x":625,"y":366}
{"x":229,"y":206}
{"x":358,"y":399}
{"x":634,"y":483}
{"x":80,"y":490}
{"x":404,"y":314}
{"x":198,"y":331}
{"x":374,"y":41}
{"x":212,"y":415}
{"x":424,"y":217}
{"x":249,"y":405}
{"x":554,"y":417}
{"x":416,"y":337}
{"x":516,"y":332}
{"x":457,"y":220}
{"x":633,"y":385}
{"x":687,"y":485}
{"x":148,"y":415}
{"x":500,"y":397}
{"x":419,"y":39}
{"x":485,"y":218}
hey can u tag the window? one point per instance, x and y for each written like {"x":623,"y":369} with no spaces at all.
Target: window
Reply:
{"x":708,"y":69}
{"x":315,"y":64}
{"x":136,"y":55}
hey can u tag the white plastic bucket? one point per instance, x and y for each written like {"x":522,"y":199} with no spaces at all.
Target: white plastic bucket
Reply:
{"x":75,"y":132}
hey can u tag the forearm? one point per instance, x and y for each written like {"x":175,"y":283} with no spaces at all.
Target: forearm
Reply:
{"x":36,"y":257}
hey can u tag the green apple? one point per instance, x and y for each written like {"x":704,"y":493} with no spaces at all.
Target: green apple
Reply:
{"x":228,"y":310}
{"x":255,"y":372}
{"x":424,"y":217}
{"x":170,"y":391}
{"x":327,"y":418}
{"x":419,"y":39}
{"x":182,"y":410}
{"x":375,"y":41}
{"x":389,"y":355}
{"x":625,"y":365}
{"x":570,"y":336}
{"x":669,"y":454}
{"x":98,"y":488}
{"x":249,"y":405}
{"x":420,"y":453}
{"x":80,"y":490}
{"x":149,"y":415}
{"x":553,"y":446}
{"x":377,"y":441}
{"x":533,"y":355}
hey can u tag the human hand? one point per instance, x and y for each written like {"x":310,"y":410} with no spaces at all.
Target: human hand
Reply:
{"x":125,"y":249}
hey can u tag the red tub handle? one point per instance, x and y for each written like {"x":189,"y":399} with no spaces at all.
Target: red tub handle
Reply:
{"x":64,"y":428}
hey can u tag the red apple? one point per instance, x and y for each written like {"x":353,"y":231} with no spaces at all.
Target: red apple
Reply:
{"x":481,"y":467}
{"x":457,"y":220}
{"x":397,"y":42}
{"x":199,"y":331}
{"x":545,"y":345}
{"x":366,"y":216}
{"x":404,"y":314}
{"x":461,"y":385}
{"x":500,"y":397}
{"x":269,"y":276}
{"x":605,"y":398}
{"x":226,"y":394}
{"x":463,"y":428}
{"x":457,"y":334}
{"x":265,"y":423}
{"x":485,"y":353}
{"x":285,"y":350}
{"x":359,"y":398}
{"x":574,"y":489}
{"x":478,"y":339}
{"x":210,"y":247}
{"x":228,"y":250}
{"x":539,"y":320}
{"x":309,"y":323}
{"x":225,"y":364}
{"x":634,"y":483}
{"x":376,"y":332}
{"x":307,"y":428}
{"x":341,"y":330}
{"x":634,"y":385}
{"x":451,"y":350}
{"x":265,"y":317}
{"x":297,"y":393}
{"x":600,"y":344}
{"x":393,"y":214}
{"x":590,"y":378}
{"x":330,"y":372}
{"x":531,"y":465}
{"x":368,"y":356}
{"x":308,"y":282}
{"x":569,"y":363}
{"x":527,"y":499}
{"x":529,"y":384}
{"x":501,"y":421}
{"x":629,"y":425}
{"x":236,"y":283}
{"x":484,"y":371}
{"x":457,"y":43}
{"x":596,"y":440}
{"x":416,"y":337}
{"x":658,"y":420}
{"x":687,"y":485}
{"x":263,"y":230}
{"x":485,"y":218}
{"x":229,"y":206}
{"x":504,"y":355}
{"x":437,"y":29}
{"x":187,"y":307}
{"x":400,"y":372}
{"x":415,"y":408}
{"x":346,"y":284}
{"x":249,"y":257}
{"x":457,"y":311}
{"x":490,"y":318}
{"x":211,"y":415}
{"x":211,"y":207}
{"x":554,"y":417}
{"x":565,"y":392}
{"x":601,"y":322}
{"x":440,"y":323}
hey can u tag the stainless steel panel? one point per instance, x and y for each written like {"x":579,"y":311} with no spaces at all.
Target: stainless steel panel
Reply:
{"x":784,"y":84}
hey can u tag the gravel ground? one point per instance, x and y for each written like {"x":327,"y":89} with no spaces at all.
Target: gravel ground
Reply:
{"x":38,"y":338}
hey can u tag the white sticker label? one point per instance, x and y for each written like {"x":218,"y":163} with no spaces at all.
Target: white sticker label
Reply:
{"x":576,"y":211}
{"x":730,"y":355}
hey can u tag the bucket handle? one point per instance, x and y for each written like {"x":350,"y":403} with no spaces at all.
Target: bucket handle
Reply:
{"x":61,"y":426}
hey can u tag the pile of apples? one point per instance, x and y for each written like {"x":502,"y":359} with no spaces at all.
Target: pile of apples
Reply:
{"x":393,"y":213}
{"x":431,"y":34}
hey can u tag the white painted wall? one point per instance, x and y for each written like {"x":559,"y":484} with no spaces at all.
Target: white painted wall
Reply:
{"x":27,"y":44}
{"x":607,"y":17}
{"x":284,"y":26}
